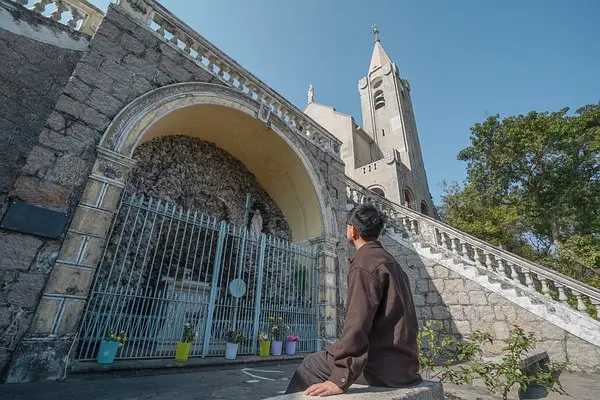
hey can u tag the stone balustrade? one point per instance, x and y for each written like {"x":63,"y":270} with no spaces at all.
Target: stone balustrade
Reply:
{"x":205,"y":54}
{"x":485,"y":257}
{"x":78,"y":15}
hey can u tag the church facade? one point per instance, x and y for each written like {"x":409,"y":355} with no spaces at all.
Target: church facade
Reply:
{"x":149,"y":182}
{"x":384,"y":154}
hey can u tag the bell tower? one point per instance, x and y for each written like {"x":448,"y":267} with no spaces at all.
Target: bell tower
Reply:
{"x":389,"y":119}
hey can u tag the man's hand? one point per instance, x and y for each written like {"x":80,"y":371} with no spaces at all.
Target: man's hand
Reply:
{"x":326,"y":388}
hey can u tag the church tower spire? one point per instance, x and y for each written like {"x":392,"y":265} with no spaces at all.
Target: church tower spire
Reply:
{"x":389,"y":119}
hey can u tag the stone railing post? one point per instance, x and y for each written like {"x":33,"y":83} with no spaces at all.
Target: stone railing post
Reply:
{"x":328,"y":318}
{"x":47,"y":346}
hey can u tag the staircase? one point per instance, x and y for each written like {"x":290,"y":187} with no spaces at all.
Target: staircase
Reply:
{"x":556,"y":298}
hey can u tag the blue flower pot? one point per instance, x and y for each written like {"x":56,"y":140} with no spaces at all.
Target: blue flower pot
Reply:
{"x":290,"y":348}
{"x":107,"y":352}
{"x":231,"y":351}
{"x":276,"y":347}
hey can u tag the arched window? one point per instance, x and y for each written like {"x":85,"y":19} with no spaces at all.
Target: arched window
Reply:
{"x":377,"y":190}
{"x":408,"y":198}
{"x":424,"y":208}
{"x":375,"y":83}
{"x":378,"y":99}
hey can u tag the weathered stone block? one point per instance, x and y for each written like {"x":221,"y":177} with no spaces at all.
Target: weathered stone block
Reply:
{"x":69,"y":280}
{"x":81,"y":111}
{"x":422,"y":286}
{"x":457,"y":312}
{"x":419,"y":299}
{"x":41,"y":192}
{"x":587,"y":356}
{"x":71,"y":315}
{"x":478,"y":297}
{"x":440,"y":312}
{"x":77,"y":89}
{"x":37,"y":360}
{"x":46,"y":257}
{"x":91,"y":221}
{"x":17,"y":251}
{"x":432,"y":298}
{"x":45,"y":316}
{"x":39,"y":161}
{"x":436,"y":285}
{"x":92,"y":76}
{"x":453,"y":285}
{"x":61,"y":142}
{"x":104,"y":103}
{"x":69,"y":170}
{"x":25,"y":290}
{"x":441,"y":272}
{"x":462,"y":328}
{"x":131,"y":44}
{"x":500,"y":330}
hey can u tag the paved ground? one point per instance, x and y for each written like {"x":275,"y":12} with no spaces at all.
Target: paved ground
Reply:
{"x":234,"y":382}
{"x":247,"y":382}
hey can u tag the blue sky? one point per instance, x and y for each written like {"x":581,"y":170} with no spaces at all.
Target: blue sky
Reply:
{"x":465,"y":60}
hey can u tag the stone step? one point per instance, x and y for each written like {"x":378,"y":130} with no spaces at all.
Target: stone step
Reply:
{"x":426,"y":390}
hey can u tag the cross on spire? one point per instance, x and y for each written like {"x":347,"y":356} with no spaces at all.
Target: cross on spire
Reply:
{"x":376,"y":34}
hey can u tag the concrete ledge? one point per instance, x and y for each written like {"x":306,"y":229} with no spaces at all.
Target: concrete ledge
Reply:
{"x":82,"y":367}
{"x":426,"y":390}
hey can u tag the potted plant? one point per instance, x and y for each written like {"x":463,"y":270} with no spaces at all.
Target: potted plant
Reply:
{"x":277,"y":332}
{"x":291,"y":344}
{"x":109,"y":346}
{"x":234,"y":338}
{"x":183,"y":347}
{"x":264,"y":345}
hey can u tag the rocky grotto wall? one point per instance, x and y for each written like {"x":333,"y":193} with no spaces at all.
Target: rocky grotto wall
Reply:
{"x":199,"y":175}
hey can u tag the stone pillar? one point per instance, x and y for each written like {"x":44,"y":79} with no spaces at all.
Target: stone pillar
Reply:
{"x":328,"y":290}
{"x":51,"y":340}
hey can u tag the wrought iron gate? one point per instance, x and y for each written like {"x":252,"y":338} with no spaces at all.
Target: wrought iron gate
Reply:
{"x":164,"y":266}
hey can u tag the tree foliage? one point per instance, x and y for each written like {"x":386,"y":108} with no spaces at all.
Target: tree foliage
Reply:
{"x":533,"y":187}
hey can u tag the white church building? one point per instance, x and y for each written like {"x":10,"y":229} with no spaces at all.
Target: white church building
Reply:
{"x":384,"y":153}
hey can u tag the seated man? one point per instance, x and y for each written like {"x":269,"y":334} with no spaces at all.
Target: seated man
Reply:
{"x":379,"y":342}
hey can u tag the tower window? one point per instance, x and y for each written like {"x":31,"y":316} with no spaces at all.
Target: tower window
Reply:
{"x":379,"y":99}
{"x":377,"y":190}
{"x":375,"y":83}
{"x":383,"y":132}
{"x":424,"y":208}
{"x":408,"y":198}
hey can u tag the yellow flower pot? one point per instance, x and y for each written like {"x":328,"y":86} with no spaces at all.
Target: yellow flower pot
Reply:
{"x":182,"y":351}
{"x":264,"y":348}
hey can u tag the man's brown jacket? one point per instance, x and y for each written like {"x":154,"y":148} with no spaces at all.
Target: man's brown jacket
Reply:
{"x":380,"y":330}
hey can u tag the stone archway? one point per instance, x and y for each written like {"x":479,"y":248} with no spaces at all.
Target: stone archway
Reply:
{"x":59,"y":312}
{"x":304,"y":200}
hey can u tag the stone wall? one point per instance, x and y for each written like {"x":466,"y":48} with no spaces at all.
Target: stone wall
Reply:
{"x":32,"y":76}
{"x":197,"y":174}
{"x":463,"y":306}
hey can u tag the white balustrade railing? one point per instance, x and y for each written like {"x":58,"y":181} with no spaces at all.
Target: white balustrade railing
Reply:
{"x":79,"y":15}
{"x":205,"y":54}
{"x":484,"y":256}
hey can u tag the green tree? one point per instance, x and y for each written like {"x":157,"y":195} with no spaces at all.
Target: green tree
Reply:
{"x":533,"y":187}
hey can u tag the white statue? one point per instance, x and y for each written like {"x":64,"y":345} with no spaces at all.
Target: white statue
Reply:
{"x":256,"y":224}
{"x":311,"y":94}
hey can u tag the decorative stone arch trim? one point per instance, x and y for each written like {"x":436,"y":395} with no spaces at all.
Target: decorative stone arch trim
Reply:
{"x":129,"y":126}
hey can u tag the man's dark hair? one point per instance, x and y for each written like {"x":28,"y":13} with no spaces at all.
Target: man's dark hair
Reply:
{"x":367,"y":219}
